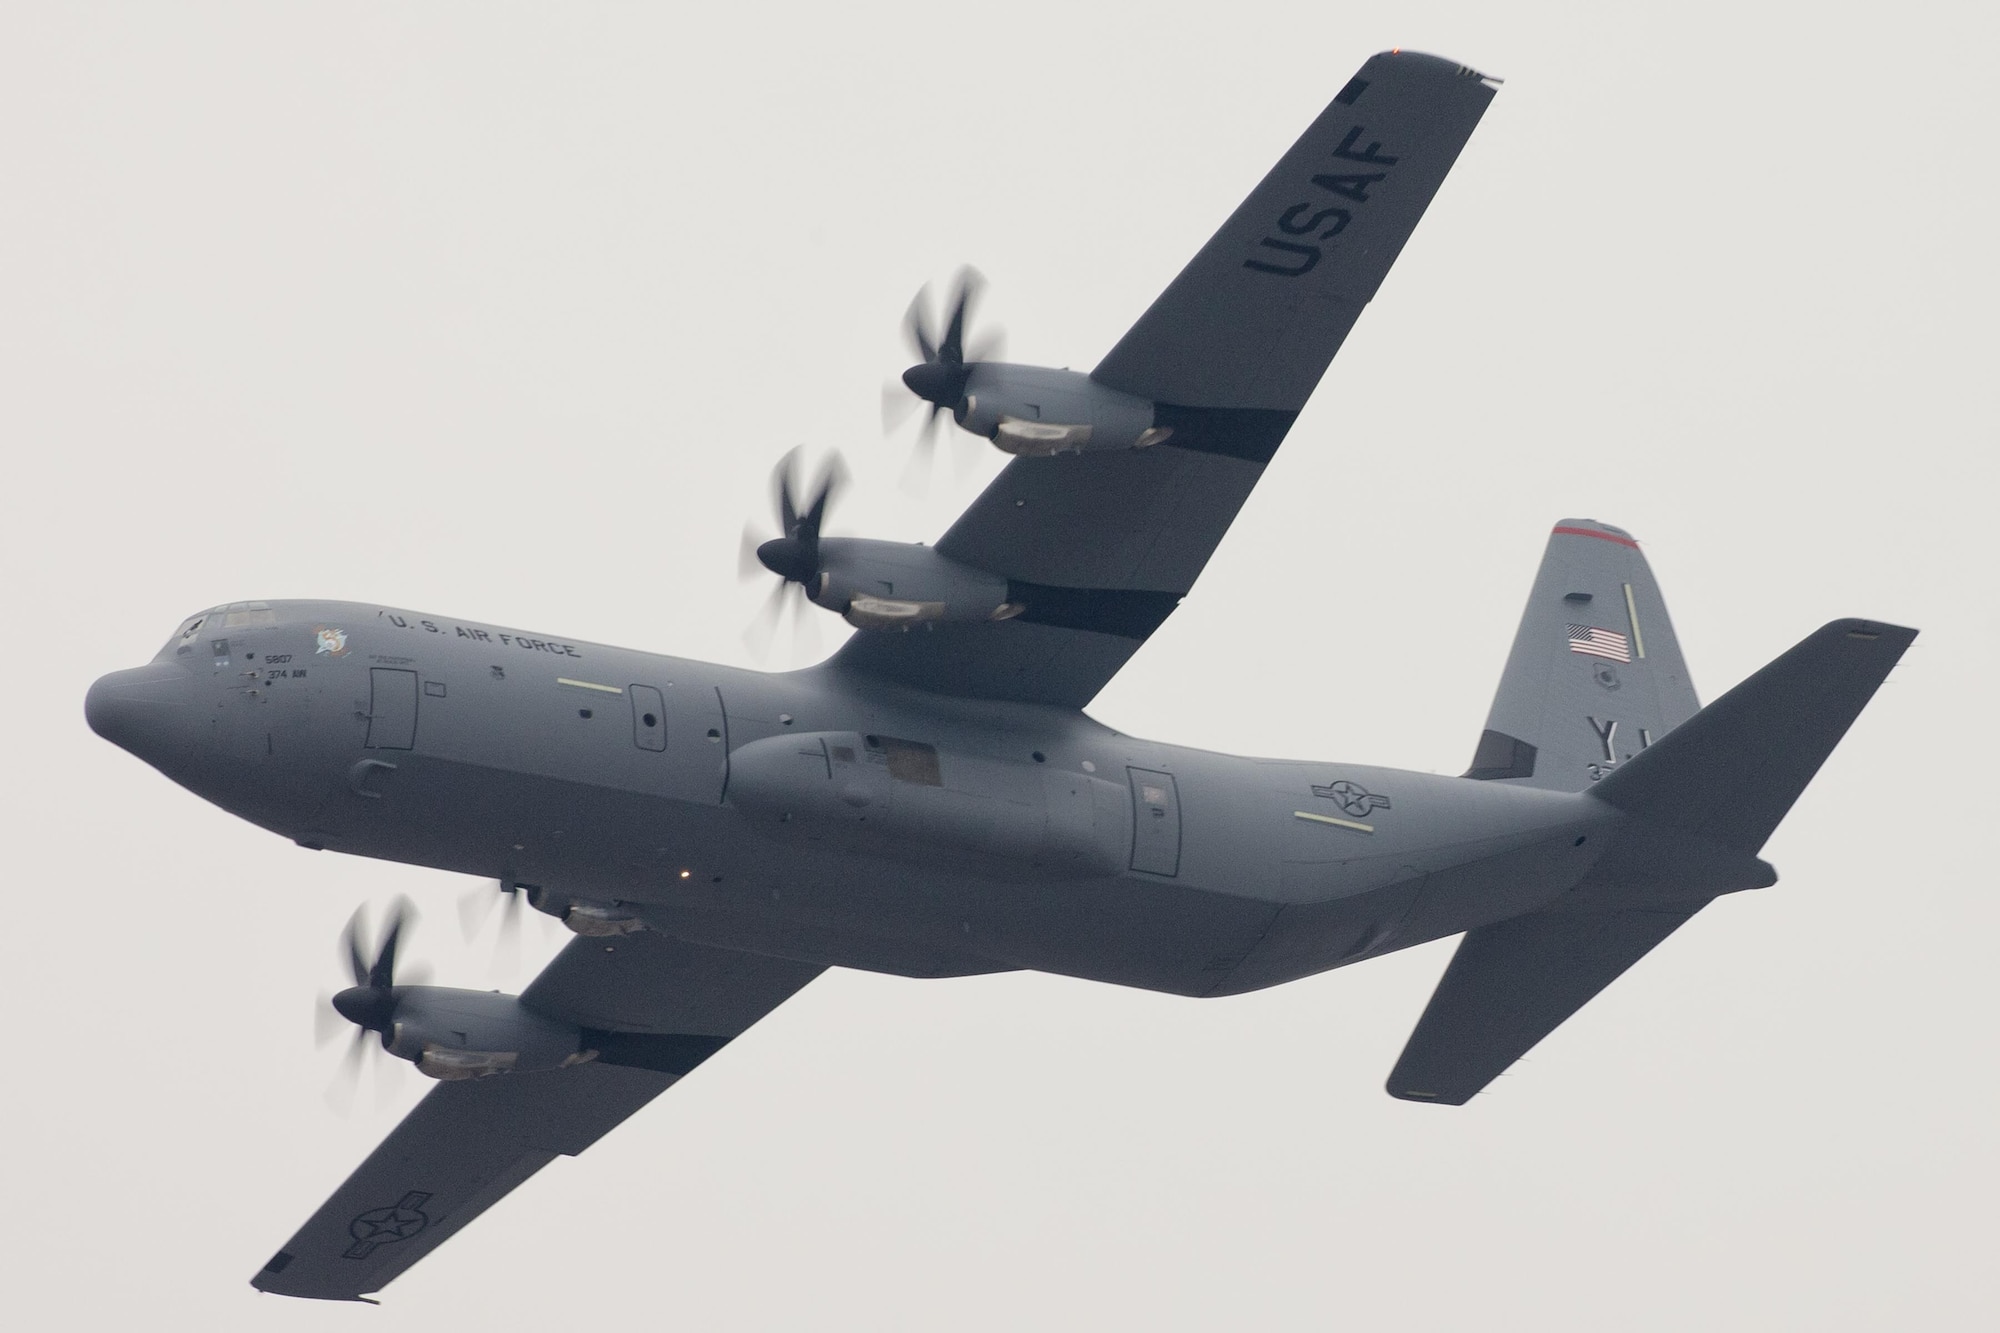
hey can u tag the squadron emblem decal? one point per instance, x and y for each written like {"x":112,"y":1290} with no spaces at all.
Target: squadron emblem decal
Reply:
{"x":332,"y":642}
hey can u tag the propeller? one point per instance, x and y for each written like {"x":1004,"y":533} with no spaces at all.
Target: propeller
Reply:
{"x":370,"y":1003}
{"x":940,"y":376}
{"x":475,"y":909}
{"x":793,"y":555}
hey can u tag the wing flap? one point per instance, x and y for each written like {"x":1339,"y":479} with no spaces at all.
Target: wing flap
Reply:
{"x":649,"y":982}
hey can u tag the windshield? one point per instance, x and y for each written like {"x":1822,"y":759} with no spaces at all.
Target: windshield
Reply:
{"x":235,"y":615}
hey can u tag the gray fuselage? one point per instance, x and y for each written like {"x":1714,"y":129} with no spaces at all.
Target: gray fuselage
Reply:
{"x":823,"y":815}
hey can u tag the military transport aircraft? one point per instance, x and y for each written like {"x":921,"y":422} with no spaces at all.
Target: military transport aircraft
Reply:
{"x":932,"y":801}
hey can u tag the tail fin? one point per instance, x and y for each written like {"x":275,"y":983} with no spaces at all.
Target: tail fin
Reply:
{"x":1595,"y":675}
{"x":1731,"y":773}
{"x":1703,"y":801}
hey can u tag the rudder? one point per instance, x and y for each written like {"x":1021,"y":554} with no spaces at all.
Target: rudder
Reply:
{"x":1595,"y":674}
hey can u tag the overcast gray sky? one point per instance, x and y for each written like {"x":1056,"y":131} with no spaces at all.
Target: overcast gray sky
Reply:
{"x":506,"y":311}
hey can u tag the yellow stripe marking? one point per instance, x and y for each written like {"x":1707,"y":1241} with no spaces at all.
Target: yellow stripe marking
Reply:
{"x":587,"y":685}
{"x":1632,"y":612}
{"x":1337,"y":823}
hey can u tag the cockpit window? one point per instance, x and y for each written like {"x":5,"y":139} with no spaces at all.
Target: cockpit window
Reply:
{"x":183,"y":641}
{"x":236,"y":615}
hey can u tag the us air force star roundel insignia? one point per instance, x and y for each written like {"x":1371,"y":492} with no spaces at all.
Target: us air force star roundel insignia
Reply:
{"x":1353,"y":798}
{"x":385,"y":1226}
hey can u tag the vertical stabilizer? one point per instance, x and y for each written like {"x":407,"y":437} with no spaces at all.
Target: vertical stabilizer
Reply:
{"x":1699,"y":806}
{"x":1596,"y":673}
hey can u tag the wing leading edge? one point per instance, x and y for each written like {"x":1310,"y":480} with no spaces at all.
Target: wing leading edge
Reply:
{"x":1229,"y":353}
{"x":657,"y":1007}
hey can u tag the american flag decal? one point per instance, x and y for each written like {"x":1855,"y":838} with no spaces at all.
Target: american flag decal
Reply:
{"x":1600,"y":642}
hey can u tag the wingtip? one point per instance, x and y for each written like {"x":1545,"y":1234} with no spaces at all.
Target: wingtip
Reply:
{"x":267,"y":1284}
{"x":1870,"y":631}
{"x":1461,"y":71}
{"x":1425,"y":1097}
{"x":354,"y":1298}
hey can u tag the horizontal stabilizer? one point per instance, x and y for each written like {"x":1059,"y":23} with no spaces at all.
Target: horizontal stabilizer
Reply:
{"x":1512,"y":983}
{"x":1729,"y":774}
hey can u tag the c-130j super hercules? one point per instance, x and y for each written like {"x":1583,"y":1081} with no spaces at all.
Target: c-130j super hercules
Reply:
{"x":932,"y":801}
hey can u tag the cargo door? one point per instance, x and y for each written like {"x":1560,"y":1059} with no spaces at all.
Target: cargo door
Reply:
{"x":392,"y":709}
{"x":1156,"y":822}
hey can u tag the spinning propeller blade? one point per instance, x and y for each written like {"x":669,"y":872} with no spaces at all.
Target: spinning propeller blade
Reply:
{"x":793,"y":555}
{"x":475,"y":909}
{"x":370,"y":1003}
{"x":944,"y":366}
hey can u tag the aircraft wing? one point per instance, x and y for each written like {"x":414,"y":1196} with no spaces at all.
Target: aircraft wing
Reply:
{"x":660,"y":1008}
{"x":1229,"y":353}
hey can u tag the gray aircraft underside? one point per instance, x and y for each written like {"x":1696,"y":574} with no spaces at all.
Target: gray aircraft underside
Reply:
{"x":932,"y":801}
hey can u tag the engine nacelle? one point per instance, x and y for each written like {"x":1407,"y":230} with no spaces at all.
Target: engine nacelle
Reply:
{"x":893,"y":585}
{"x":1034,"y":411}
{"x":454,"y":1034}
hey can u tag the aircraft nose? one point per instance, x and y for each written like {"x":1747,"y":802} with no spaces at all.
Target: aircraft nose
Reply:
{"x":149,"y":710}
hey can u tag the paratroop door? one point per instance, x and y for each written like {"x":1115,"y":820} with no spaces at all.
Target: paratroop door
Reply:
{"x":649,"y":718}
{"x":392,"y":708}
{"x":697,"y":764}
